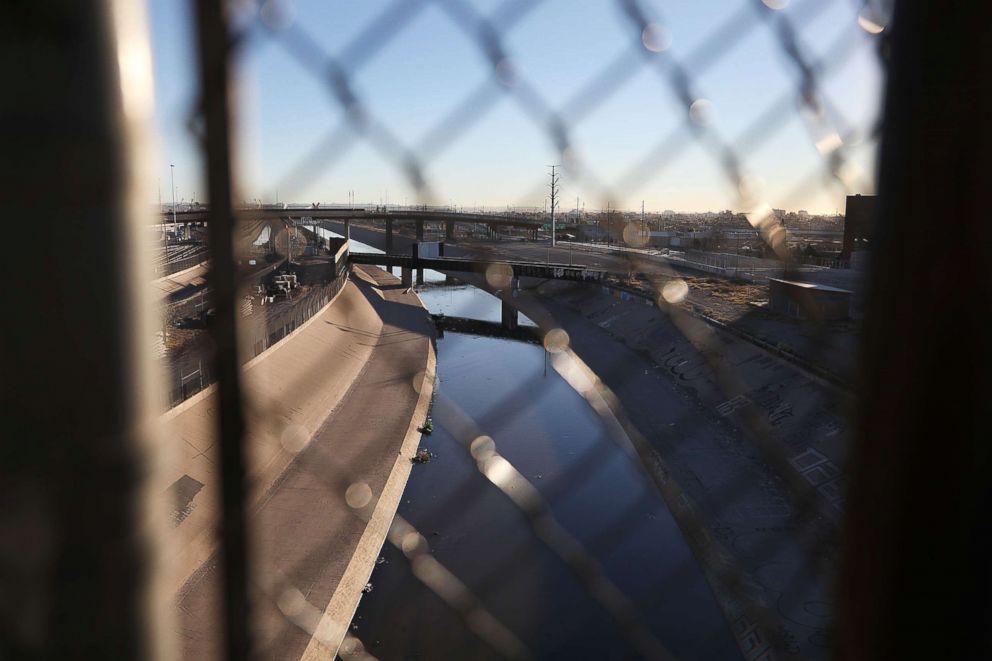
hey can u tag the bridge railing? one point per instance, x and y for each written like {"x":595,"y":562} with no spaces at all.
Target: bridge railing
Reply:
{"x":519,"y":269}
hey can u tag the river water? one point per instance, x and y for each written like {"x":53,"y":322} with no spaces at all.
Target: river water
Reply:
{"x":598,"y":539}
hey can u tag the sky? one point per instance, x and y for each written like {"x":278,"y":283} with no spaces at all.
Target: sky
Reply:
{"x":428,"y":90}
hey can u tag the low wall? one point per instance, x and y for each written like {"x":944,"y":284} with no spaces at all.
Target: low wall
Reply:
{"x":189,"y":370}
{"x":316,"y":425}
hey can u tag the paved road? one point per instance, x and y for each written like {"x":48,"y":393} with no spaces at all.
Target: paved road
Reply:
{"x":305,"y":530}
{"x":526,"y":250}
{"x":619,"y":262}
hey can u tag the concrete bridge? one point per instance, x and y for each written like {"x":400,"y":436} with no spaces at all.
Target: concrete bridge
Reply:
{"x":500,"y":275}
{"x":496,"y":269}
{"x":528,"y":334}
{"x":391,"y":217}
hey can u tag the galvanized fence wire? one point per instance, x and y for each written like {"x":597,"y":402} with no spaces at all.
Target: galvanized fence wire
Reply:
{"x":830,"y":132}
{"x":717,"y":561}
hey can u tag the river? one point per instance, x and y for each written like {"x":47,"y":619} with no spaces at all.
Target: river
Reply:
{"x":555,"y":581}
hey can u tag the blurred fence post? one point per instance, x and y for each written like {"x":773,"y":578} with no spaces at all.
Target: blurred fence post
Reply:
{"x":76,"y":560}
{"x":916,"y":575}
{"x":214,"y":45}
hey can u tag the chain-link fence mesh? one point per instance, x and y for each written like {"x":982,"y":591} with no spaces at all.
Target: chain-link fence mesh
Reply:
{"x":775,"y":453}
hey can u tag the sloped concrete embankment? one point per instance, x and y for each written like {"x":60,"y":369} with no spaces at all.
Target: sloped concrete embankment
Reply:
{"x":693,"y":397}
{"x":332,"y":409}
{"x":698,"y":395}
{"x":690,"y":390}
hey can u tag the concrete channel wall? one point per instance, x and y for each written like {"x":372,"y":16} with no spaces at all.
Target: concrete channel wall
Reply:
{"x":715,"y":435}
{"x":319,"y":420}
{"x":188,"y":369}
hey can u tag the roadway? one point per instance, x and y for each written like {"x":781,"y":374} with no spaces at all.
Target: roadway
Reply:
{"x":515,"y":250}
{"x":248,"y":216}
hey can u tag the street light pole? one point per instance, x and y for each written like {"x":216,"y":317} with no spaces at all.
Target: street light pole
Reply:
{"x":172,"y":176}
{"x":161,"y":218}
{"x":737,"y":266}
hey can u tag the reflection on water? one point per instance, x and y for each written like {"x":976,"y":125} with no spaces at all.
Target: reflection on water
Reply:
{"x":356,"y":246}
{"x":595,"y":491}
{"x":459,"y":300}
{"x":440,"y":296}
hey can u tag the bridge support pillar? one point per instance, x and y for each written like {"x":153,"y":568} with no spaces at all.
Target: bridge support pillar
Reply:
{"x":347,"y":229}
{"x":389,"y":235}
{"x":420,"y":231}
{"x":508,"y":316}
{"x":406,"y":277}
{"x":449,"y":231}
{"x":420,"y":276}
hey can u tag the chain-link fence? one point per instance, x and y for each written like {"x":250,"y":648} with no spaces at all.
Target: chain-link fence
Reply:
{"x":264,"y":320}
{"x":671,"y":473}
{"x":802,"y":477}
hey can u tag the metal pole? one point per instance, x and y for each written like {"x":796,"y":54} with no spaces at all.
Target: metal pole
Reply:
{"x":172,"y":177}
{"x":554,"y":194}
{"x":165,"y":242}
{"x":214,"y":44}
{"x":79,"y":403}
{"x":914,"y":582}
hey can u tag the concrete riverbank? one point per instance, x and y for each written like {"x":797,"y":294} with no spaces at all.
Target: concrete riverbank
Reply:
{"x":333,"y":414}
{"x":733,"y":430}
{"x":754,"y":445}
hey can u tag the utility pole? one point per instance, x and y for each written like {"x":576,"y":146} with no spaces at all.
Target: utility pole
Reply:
{"x":609,"y":224}
{"x":172,"y":175}
{"x":643,"y":228}
{"x":554,"y":200}
{"x":737,"y":267}
{"x":160,"y":218}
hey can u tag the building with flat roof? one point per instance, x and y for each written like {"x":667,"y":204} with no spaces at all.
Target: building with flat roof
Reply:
{"x":808,"y":300}
{"x":859,"y":217}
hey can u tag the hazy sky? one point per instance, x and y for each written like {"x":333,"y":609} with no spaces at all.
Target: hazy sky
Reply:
{"x":429,"y":66}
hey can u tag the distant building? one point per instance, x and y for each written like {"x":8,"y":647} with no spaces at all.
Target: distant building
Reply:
{"x":806,"y":300}
{"x":660,"y":239}
{"x":590,"y":232}
{"x":859,"y":217}
{"x":685,"y":239}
